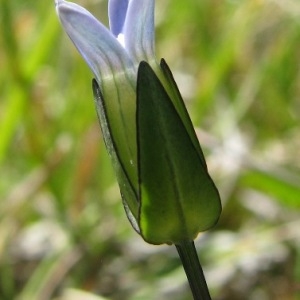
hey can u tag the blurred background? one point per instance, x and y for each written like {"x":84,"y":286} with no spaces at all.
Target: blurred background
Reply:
{"x":63,"y":232}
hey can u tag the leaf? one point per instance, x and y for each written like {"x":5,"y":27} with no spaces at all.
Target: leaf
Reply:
{"x":285,"y":191}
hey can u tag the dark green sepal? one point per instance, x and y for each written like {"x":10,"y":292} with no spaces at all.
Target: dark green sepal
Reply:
{"x":178,"y":199}
{"x":181,"y":108}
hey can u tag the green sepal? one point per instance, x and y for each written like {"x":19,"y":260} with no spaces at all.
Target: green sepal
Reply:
{"x":128,"y":193}
{"x":119,"y":100}
{"x":178,"y":199}
{"x":178,"y":102}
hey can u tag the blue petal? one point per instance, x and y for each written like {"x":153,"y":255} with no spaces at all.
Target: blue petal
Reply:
{"x":139,"y":30}
{"x":100,"y":49}
{"x":117,"y":10}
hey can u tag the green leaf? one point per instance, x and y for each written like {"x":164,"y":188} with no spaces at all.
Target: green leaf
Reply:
{"x":178,"y":199}
{"x":282,"y":189}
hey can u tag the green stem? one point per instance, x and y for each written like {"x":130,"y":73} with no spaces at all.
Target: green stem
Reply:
{"x":194,"y":273}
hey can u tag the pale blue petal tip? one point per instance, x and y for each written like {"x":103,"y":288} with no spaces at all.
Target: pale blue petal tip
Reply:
{"x":58,"y":2}
{"x":100,"y":49}
{"x":139,"y":29}
{"x":117,"y":10}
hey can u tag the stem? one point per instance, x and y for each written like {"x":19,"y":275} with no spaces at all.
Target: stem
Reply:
{"x":194,"y":273}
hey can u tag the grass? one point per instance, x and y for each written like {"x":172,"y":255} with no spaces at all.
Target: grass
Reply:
{"x":63,"y":232}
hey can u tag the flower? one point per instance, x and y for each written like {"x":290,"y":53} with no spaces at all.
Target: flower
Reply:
{"x":167,"y":192}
